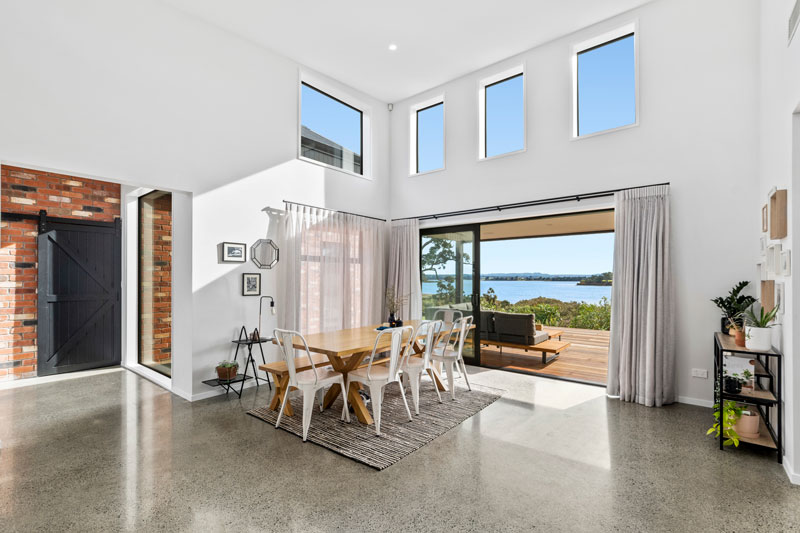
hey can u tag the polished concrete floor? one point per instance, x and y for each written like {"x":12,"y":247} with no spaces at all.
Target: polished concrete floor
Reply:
{"x":116,"y":452}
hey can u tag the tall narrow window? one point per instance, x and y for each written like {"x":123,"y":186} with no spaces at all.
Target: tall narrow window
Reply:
{"x":155,"y":281}
{"x":331,"y":131}
{"x":504,"y":116}
{"x":606,"y":86}
{"x":430,"y":138}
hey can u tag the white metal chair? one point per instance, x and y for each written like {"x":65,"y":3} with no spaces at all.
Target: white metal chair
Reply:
{"x":309,"y":382}
{"x":450,"y":352}
{"x":447,"y":315}
{"x":377,"y":377}
{"x":415,"y":367}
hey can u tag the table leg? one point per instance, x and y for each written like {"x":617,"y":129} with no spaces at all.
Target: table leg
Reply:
{"x":331,"y":395}
{"x":353,"y":398}
{"x":359,"y":407}
{"x":281,"y":388}
{"x":437,"y":379}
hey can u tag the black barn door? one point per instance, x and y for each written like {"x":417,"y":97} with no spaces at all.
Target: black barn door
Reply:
{"x":80,"y":272}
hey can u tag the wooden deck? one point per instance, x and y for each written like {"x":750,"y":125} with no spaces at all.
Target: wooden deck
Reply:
{"x":585,"y":360}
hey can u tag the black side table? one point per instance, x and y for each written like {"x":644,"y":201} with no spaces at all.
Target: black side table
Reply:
{"x":248,"y":341}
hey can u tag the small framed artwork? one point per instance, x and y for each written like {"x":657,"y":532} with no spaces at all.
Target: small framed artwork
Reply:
{"x":764,"y":219}
{"x":786,"y":263}
{"x":763,"y":245}
{"x":251,"y":284}
{"x":234,"y":252}
{"x":773,"y":258}
{"x":780,"y":296}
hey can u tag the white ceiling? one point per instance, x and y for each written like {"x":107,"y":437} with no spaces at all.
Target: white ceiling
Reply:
{"x":438,"y":40}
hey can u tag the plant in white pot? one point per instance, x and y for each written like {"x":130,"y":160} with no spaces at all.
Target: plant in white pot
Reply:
{"x":758,"y":335}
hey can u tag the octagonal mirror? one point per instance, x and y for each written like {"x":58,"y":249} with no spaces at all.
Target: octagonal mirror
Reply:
{"x":264,"y":253}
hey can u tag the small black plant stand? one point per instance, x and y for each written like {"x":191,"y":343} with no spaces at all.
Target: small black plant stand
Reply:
{"x":764,"y":397}
{"x":248,"y":341}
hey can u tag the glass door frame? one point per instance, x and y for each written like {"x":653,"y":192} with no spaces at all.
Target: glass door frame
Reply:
{"x":475,"y":298}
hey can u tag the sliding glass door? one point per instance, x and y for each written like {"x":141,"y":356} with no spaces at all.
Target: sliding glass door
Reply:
{"x":449,"y":265}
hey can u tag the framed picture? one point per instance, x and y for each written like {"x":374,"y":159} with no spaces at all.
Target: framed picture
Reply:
{"x":773,"y":258}
{"x":780,"y":294}
{"x":234,"y":252}
{"x":251,"y":284}
{"x":764,"y":219}
{"x":763,"y":245}
{"x":786,"y":263}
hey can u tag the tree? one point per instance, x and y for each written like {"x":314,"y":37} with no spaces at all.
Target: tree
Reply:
{"x":436,"y":253}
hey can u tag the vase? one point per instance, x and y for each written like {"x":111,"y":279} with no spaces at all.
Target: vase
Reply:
{"x":758,"y":339}
{"x":739,"y":338}
{"x":747,"y":425}
{"x":392,"y":321}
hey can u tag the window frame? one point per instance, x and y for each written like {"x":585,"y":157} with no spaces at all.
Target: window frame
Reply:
{"x":334,"y":93}
{"x":608,"y":37}
{"x":499,"y":77}
{"x":413,"y":164}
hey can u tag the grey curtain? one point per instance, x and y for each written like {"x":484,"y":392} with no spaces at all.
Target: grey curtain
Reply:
{"x":641,"y":360}
{"x":403,"y":272}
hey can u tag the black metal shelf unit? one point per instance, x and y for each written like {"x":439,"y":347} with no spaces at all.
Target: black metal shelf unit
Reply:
{"x":248,"y":341}
{"x":766,"y":396}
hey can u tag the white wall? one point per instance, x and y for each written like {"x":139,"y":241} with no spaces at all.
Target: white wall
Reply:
{"x":779,"y":166}
{"x":698,"y":131}
{"x":145,"y":95}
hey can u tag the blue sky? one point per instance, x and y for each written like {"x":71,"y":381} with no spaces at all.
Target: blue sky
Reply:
{"x":606,"y":87}
{"x":331,"y":119}
{"x":430,"y":138}
{"x":572,"y":254}
{"x":569,"y":254}
{"x":505,"y":117}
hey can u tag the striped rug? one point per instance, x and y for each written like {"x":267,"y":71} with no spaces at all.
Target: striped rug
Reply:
{"x":398,"y":438}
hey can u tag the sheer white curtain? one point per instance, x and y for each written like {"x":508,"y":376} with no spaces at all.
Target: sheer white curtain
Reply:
{"x":331,"y":272}
{"x":404,"y":267}
{"x":641,"y":359}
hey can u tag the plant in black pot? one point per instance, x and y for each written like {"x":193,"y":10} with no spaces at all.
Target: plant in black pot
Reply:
{"x":734,"y":305}
{"x":394,"y":303}
{"x":734,"y":382}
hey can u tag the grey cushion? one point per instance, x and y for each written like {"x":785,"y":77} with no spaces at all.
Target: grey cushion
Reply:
{"x":518,"y":328}
{"x":540,"y":336}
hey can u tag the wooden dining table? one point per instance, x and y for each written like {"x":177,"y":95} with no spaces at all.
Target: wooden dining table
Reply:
{"x":346,"y":350}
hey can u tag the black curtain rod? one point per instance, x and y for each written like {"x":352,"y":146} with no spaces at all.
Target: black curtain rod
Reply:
{"x":531,"y":203}
{"x":335,"y":211}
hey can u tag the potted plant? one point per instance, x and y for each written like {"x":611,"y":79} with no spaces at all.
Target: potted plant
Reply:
{"x":393,"y":304}
{"x":748,"y":424}
{"x":733,"y":382}
{"x":227,"y":370}
{"x":758,"y":335}
{"x":736,"y":326}
{"x":734,"y":305}
{"x":726,"y":417}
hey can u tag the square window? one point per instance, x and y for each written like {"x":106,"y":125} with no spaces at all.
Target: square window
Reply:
{"x":606,"y":86}
{"x":504,"y":116}
{"x":430,"y":138}
{"x":331,"y":131}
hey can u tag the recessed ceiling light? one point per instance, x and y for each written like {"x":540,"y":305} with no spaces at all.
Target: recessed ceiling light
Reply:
{"x":392,"y":47}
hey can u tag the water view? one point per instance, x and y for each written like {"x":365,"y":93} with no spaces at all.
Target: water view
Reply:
{"x":514,"y":291}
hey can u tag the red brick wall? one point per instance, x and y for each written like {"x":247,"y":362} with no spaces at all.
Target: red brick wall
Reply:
{"x":28,"y":191}
{"x":155,"y":267}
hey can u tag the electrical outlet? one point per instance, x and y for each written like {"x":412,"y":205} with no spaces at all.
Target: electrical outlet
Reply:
{"x":700,"y":373}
